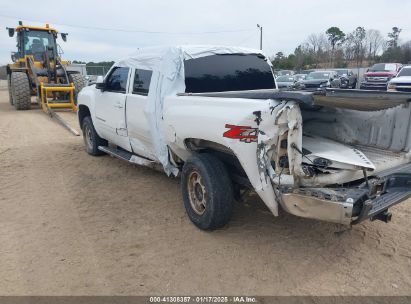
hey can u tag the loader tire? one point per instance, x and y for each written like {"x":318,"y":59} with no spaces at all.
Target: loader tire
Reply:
{"x":9,"y":89}
{"x":20,"y":91}
{"x":79,"y":83}
{"x":91,"y":138}
{"x":207,"y":191}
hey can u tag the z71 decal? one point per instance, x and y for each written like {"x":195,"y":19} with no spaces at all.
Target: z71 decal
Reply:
{"x":245,"y":134}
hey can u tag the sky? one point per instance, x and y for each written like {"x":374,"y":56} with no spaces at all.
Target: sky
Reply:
{"x":109,"y":30}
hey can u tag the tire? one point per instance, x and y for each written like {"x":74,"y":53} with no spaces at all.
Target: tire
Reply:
{"x":91,"y":139}
{"x":9,"y":88}
{"x":79,"y":83}
{"x":20,"y":90}
{"x":207,"y":191}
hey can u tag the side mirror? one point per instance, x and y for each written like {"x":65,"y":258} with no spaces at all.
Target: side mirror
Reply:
{"x":100,"y":84}
{"x":13,"y":57}
{"x":64,"y":36}
{"x":11,"y":31}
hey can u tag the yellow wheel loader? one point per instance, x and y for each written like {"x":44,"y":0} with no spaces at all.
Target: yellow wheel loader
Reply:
{"x":37,"y":70}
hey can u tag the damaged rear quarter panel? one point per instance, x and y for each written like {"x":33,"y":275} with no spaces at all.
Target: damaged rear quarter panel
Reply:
{"x":206,"y":118}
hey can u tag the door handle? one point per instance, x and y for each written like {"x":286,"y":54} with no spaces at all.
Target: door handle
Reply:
{"x":118,"y":105}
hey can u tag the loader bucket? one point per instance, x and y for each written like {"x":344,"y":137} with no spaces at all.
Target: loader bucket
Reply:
{"x":48,"y":92}
{"x":49,"y":101}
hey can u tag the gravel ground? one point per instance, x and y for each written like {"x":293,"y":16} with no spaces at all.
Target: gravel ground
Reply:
{"x":72,"y":224}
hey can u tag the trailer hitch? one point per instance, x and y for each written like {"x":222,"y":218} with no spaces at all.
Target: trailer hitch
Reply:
{"x":383,"y":216}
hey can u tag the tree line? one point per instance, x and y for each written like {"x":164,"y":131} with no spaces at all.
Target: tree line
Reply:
{"x":334,"y":48}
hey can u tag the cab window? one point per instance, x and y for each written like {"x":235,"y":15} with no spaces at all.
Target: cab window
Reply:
{"x":229,"y":72}
{"x":117,"y":80}
{"x":142,"y":79}
{"x":37,"y":41}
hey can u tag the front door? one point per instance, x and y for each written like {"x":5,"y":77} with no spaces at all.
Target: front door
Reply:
{"x":110,"y":108}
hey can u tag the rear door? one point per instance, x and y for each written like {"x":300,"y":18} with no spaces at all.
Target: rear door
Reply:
{"x":137,"y":122}
{"x":110,"y":108}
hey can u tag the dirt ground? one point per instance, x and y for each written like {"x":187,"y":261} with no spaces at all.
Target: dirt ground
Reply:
{"x":72,"y":224}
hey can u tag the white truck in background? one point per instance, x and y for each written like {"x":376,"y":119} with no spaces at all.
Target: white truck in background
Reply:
{"x":214,"y":116}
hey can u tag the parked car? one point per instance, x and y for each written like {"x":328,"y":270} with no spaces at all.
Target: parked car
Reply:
{"x":377,"y":77}
{"x":348,"y":79}
{"x":213,"y":116}
{"x":300,"y":77}
{"x":319,"y":80}
{"x":285,"y":73}
{"x":285,"y":82}
{"x":306,"y":72}
{"x":402,"y":82}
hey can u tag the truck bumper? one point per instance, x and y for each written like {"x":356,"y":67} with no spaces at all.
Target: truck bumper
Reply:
{"x":373,"y":86}
{"x":351,"y":205}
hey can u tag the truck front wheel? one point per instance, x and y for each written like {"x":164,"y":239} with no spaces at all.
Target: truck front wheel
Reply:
{"x":207,"y":191}
{"x":91,"y":138}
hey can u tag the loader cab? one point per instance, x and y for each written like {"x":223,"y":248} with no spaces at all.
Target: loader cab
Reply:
{"x":36,"y":42}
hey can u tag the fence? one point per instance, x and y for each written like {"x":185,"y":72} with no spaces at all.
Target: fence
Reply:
{"x":96,"y":70}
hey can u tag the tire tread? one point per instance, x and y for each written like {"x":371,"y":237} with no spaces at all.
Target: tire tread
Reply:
{"x":98,"y":141}
{"x":20,"y":88}
{"x":221,"y":190}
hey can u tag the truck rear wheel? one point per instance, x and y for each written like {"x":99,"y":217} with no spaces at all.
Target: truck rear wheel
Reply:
{"x":9,"y":88}
{"x":207,"y":191}
{"x":91,"y":138}
{"x":79,"y":83}
{"x":20,"y":91}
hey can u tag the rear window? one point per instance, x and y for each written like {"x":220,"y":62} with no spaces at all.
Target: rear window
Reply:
{"x":233,"y":72}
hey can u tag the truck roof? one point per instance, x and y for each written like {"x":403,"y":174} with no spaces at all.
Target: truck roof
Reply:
{"x":151,"y":57}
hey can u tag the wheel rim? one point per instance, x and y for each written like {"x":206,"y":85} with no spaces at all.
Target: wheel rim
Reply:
{"x":197,"y":192}
{"x":88,"y":135}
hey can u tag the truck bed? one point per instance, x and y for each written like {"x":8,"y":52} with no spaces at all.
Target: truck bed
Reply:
{"x":361,"y":100}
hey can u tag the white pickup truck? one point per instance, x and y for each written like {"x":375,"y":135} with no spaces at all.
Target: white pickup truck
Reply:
{"x":213,"y":116}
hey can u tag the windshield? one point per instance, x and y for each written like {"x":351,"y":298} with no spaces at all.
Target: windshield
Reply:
{"x":285,"y":79}
{"x":342,"y":72}
{"x":383,"y":67}
{"x":405,"y":72}
{"x":37,"y":41}
{"x":233,"y":72}
{"x":318,"y":76}
{"x":285,"y":72}
{"x":300,"y":77}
